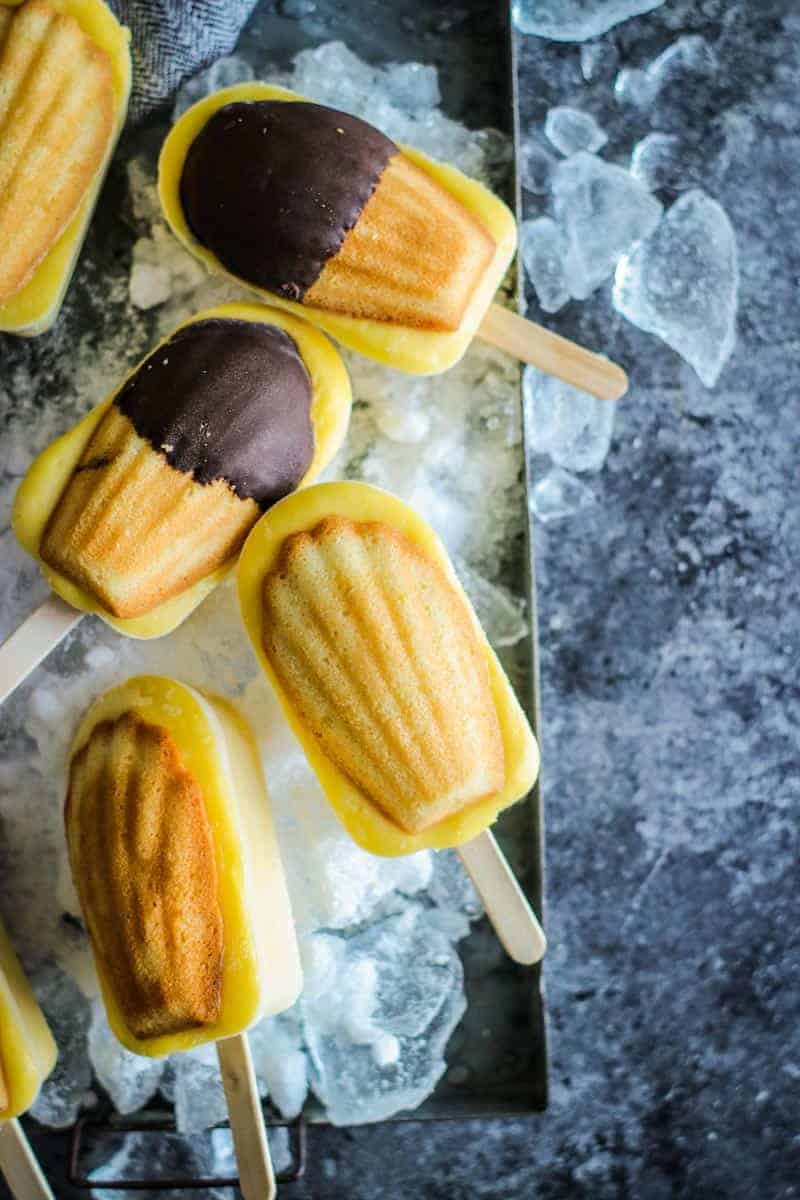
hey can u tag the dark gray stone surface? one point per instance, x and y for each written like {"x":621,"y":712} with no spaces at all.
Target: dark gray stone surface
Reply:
{"x":670,"y":642}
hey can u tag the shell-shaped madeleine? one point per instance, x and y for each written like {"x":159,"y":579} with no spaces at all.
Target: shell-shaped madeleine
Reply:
{"x":56,"y":122}
{"x":380,"y":658}
{"x":415,"y":256}
{"x":142,"y":858}
{"x":133,"y":530}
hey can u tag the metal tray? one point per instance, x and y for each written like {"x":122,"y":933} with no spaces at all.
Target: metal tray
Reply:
{"x":503,"y":1033}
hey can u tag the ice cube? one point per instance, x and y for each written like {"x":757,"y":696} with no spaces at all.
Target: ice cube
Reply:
{"x":677,"y":162}
{"x":225,"y":72}
{"x":673,"y":87}
{"x":571,"y":130}
{"x":67,"y":1011}
{"x":536,"y":166}
{"x":544,"y":250}
{"x":598,"y":60}
{"x":501,"y":614}
{"x":199,"y":1095}
{"x":129,"y":1079}
{"x":656,"y":161}
{"x":571,"y":426}
{"x":559,"y":494}
{"x":412,"y":85}
{"x":603,"y":211}
{"x":682,"y":284}
{"x":280,"y":1063}
{"x":411,"y":991}
{"x":576,"y":20}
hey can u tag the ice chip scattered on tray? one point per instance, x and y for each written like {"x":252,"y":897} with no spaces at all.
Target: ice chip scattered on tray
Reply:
{"x":543,"y":249}
{"x":682,"y":284}
{"x":536,"y":165}
{"x":603,"y":211}
{"x":130,"y":1080}
{"x":571,"y":130}
{"x":571,"y":426}
{"x":382,"y":1051}
{"x":559,"y":494}
{"x":576,"y":20}
{"x":671,"y":88}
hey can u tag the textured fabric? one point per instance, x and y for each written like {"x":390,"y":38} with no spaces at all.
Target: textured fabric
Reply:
{"x":171,"y":39}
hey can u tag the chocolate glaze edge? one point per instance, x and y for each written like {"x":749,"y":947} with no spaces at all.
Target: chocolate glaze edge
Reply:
{"x":272,"y":188}
{"x":227,"y":399}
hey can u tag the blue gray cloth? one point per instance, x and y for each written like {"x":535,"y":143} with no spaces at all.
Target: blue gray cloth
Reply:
{"x":172,"y":39}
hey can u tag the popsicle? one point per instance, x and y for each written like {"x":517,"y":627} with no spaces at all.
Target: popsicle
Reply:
{"x":389,"y":683}
{"x":180,"y":881}
{"x":139,"y":511}
{"x":27,"y":1056}
{"x":395,"y":255}
{"x":65,"y":77}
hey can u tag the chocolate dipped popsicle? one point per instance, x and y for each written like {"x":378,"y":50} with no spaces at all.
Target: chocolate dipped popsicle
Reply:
{"x":395,"y":255}
{"x":141,"y":509}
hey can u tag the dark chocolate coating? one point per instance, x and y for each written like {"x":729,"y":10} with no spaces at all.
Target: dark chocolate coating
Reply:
{"x":227,"y":400}
{"x":273,"y":187}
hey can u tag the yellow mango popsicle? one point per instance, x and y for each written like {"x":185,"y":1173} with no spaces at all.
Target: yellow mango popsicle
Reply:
{"x":27,"y":1050}
{"x":425,"y":248}
{"x":177,"y":868}
{"x":401,"y":706}
{"x":82,"y":37}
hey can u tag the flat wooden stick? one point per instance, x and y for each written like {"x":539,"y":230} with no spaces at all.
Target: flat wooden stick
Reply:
{"x":256,"y":1176}
{"x":36,"y":637}
{"x":553,"y":354}
{"x":19,"y":1165}
{"x":506,"y":907}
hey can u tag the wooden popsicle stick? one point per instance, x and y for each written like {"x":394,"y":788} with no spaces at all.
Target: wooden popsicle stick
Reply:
{"x":36,"y":637}
{"x":256,"y":1176}
{"x":19,"y":1165}
{"x":554,"y":355}
{"x":506,"y":907}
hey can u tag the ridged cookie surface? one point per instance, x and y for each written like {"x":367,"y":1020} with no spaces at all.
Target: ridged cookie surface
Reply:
{"x":142,"y":859}
{"x":56,"y":122}
{"x":380,"y":659}
{"x":133,"y":530}
{"x":414,"y":257}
